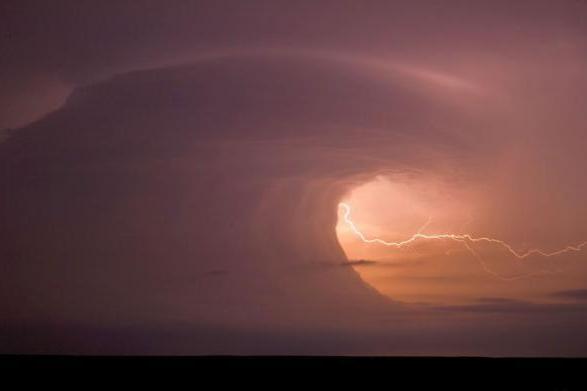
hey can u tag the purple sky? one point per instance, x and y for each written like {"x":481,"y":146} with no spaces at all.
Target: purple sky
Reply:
{"x":171,"y":173}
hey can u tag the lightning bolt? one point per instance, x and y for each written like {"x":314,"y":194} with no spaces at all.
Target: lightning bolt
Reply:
{"x":465,"y":239}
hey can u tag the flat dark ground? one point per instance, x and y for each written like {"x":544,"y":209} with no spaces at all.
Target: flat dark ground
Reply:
{"x":410,"y":372}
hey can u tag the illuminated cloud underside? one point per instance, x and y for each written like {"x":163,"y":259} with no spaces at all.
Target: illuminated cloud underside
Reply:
{"x":465,"y":239}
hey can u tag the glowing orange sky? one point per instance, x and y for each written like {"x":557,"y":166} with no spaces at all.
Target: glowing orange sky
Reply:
{"x":443,"y":271}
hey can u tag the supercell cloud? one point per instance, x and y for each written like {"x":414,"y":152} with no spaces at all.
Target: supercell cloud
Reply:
{"x":172,"y":172}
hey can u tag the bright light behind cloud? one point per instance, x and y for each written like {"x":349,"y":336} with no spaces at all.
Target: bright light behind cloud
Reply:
{"x":416,"y":241}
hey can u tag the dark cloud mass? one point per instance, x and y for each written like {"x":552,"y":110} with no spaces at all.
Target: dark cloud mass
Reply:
{"x":172,"y":170}
{"x":573,"y":294}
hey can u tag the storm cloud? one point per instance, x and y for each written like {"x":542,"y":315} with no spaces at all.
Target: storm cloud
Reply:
{"x":172,"y":172}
